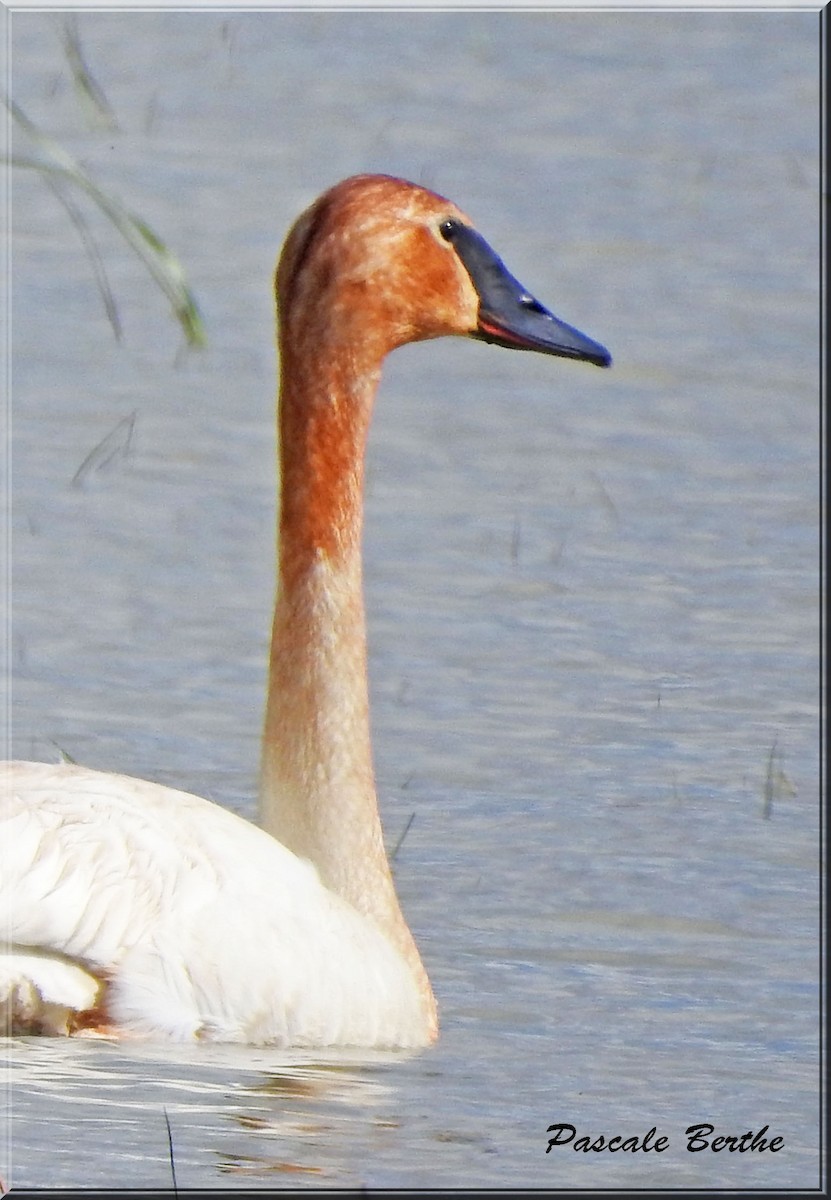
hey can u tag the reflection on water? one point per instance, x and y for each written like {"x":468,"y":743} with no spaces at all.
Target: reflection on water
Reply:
{"x":279,"y":1101}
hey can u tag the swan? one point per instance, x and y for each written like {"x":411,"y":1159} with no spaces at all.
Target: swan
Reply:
{"x":137,"y":910}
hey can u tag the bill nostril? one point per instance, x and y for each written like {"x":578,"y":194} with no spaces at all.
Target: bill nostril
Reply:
{"x":530,"y":303}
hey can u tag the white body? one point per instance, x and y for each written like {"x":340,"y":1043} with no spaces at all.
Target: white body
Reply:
{"x":203,"y":924}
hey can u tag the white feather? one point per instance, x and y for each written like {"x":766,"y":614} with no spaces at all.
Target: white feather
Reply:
{"x":202,"y":924}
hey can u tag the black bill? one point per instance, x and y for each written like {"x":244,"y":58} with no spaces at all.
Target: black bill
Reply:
{"x":508,"y":314}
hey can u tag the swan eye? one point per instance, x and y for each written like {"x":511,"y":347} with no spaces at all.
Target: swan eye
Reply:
{"x":448,"y":228}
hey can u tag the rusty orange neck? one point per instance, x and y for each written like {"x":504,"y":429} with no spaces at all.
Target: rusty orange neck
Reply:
{"x":317,"y":789}
{"x":323,"y":424}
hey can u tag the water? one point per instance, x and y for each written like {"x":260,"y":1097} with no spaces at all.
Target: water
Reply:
{"x":592,"y":595}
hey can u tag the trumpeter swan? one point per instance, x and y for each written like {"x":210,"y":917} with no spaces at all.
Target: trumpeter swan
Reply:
{"x":137,"y":909}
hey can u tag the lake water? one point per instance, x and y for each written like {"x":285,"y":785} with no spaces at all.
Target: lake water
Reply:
{"x":592,"y":596}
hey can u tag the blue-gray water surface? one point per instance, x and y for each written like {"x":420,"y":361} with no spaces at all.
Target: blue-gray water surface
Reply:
{"x":592,"y":596}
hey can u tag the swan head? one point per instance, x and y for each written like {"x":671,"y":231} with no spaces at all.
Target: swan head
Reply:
{"x":377,"y":262}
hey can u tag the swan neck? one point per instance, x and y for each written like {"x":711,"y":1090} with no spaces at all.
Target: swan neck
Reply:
{"x":317,"y":789}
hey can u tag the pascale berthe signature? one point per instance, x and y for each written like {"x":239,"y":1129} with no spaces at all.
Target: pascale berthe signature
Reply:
{"x":698,"y":1137}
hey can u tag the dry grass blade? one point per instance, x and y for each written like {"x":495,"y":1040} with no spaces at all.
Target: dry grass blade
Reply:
{"x":170,"y":1152}
{"x":89,"y":92}
{"x":66,"y":757}
{"x":97,"y":263}
{"x":166,"y":270}
{"x":767,"y":807}
{"x":116,"y":445}
{"x":777,"y":783}
{"x":400,"y":841}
